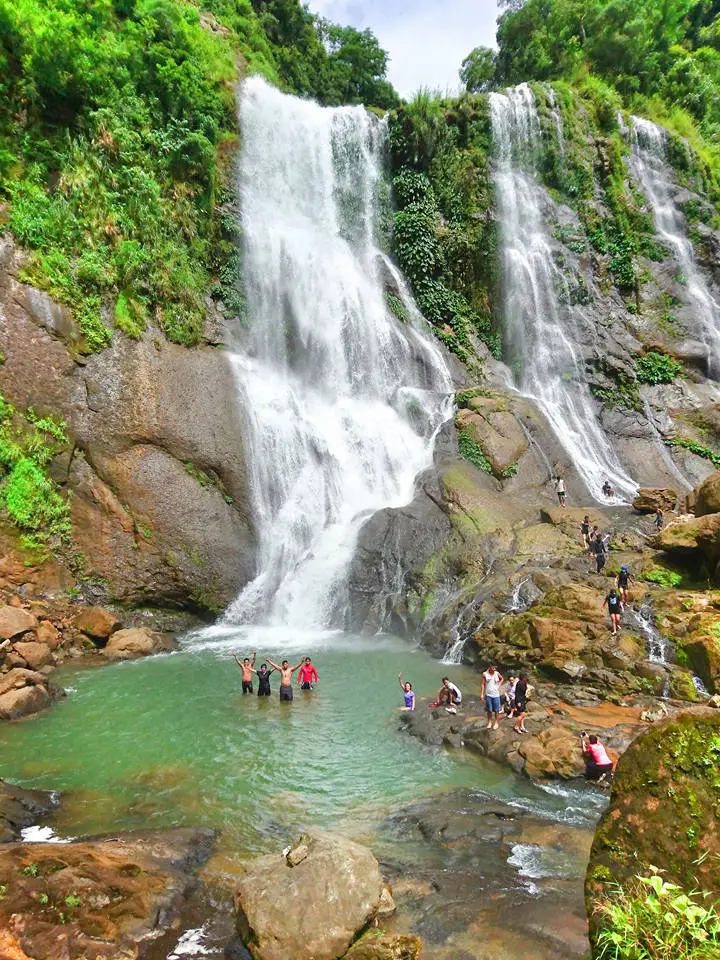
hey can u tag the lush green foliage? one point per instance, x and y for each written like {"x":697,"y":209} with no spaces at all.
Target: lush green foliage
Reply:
{"x":694,"y":447}
{"x":477,"y":71}
{"x":444,"y":233}
{"x":115,"y":141}
{"x":651,"y":919}
{"x":662,"y":577}
{"x":29,"y":497}
{"x":472,"y":451}
{"x":654,"y":367}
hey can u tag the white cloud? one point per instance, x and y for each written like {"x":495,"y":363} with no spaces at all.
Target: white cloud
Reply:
{"x":426,"y":39}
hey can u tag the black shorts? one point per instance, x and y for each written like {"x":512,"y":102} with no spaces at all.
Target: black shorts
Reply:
{"x":600,"y":561}
{"x":286,"y":693}
{"x":247,"y":686}
{"x":615,"y":613}
{"x":264,"y":690}
{"x":305,"y":686}
{"x":594,"y":772}
{"x":520,"y":706}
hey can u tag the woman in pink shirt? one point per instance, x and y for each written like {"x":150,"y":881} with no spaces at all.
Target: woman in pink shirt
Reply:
{"x":597,"y":762}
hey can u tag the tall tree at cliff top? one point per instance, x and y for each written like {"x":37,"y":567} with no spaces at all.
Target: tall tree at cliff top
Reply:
{"x":662,"y":48}
{"x":116,"y":121}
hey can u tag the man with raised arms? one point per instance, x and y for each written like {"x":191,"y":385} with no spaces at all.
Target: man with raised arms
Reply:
{"x":247,"y":671}
{"x":286,"y":672}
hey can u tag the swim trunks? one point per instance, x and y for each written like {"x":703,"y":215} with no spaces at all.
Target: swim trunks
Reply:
{"x":286,"y":693}
{"x":247,"y":686}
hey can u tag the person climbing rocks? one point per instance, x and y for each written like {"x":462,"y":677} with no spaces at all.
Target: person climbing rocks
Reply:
{"x":614,"y":605}
{"x":560,"y":490}
{"x":622,"y":582}
{"x":408,"y":693}
{"x":607,"y":489}
{"x":598,"y":548}
{"x":595,"y":532}
{"x":585,"y":530}
{"x":598,"y":764}
{"x":286,"y":672}
{"x":448,"y":696}
{"x":520,"y":706}
{"x":247,"y":671}
{"x":263,"y":675}
{"x":659,"y":519}
{"x":490,"y":692}
{"x":308,"y":676}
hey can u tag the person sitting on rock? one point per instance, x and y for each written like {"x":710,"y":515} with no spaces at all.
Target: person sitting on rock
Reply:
{"x":521,"y":694}
{"x":659,"y":518}
{"x":598,"y":764}
{"x":622,"y":582}
{"x":585,"y":530}
{"x":490,"y":692}
{"x":599,"y":550}
{"x":408,"y":693}
{"x":247,"y":671}
{"x":448,"y":696}
{"x":286,"y":672}
{"x":614,"y":605}
{"x":607,"y":489}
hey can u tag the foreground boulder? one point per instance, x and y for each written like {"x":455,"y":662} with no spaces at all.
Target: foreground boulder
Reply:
{"x":96,"y":622}
{"x":663,"y":813}
{"x":14,"y":621}
{"x":649,"y":499}
{"x":311,"y":911}
{"x":707,"y":496}
{"x":22,"y":692}
{"x":21,"y":808}
{"x":97,"y":898}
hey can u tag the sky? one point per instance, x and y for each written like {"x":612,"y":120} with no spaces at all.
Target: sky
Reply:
{"x":427,"y":39}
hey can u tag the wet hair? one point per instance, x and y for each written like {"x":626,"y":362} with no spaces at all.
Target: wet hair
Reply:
{"x":407,"y":685}
{"x":593,"y":738}
{"x":263,"y":666}
{"x":307,"y":659}
{"x":285,"y":663}
{"x":246,"y":660}
{"x":446,"y":678}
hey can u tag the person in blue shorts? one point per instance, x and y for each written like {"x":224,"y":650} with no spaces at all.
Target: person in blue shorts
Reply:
{"x":492,"y":680}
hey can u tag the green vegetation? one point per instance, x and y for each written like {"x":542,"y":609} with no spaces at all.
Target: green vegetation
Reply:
{"x":654,"y":368}
{"x":28,"y":496}
{"x":472,"y":451}
{"x":116,"y":142}
{"x":651,"y":919}
{"x":694,"y":447}
{"x":662,"y":577}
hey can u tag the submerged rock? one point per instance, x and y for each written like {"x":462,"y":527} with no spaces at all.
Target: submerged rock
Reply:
{"x":311,"y":911}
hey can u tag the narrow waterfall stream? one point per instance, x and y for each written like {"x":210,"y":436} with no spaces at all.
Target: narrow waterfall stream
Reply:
{"x":341,"y":400}
{"x":655,"y":175}
{"x":541,"y":332}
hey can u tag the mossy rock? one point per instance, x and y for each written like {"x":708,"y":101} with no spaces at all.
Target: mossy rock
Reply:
{"x":664,"y":812}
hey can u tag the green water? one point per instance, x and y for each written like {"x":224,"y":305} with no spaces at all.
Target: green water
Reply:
{"x":171,"y":740}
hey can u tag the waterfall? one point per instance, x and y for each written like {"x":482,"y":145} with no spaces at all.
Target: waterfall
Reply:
{"x":542,"y":328}
{"x":340,"y":399}
{"x":653,"y":171}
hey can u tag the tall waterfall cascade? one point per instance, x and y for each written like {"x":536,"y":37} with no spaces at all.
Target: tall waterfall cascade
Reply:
{"x":655,"y":174}
{"x":542,"y":328}
{"x":341,"y":400}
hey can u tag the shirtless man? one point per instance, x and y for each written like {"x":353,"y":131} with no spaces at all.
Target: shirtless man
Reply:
{"x":247,"y":671}
{"x":286,"y":673}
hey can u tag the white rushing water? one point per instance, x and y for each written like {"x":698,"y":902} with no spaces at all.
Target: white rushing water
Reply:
{"x":542,"y":327}
{"x":656,"y":177}
{"x":341,"y":400}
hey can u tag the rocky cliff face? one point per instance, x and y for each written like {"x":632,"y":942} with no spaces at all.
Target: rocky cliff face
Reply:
{"x":155,"y":465}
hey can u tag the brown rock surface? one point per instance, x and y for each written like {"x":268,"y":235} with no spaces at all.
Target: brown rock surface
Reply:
{"x":21,"y":808}
{"x":47,"y":633}
{"x":96,"y":622}
{"x":123,"y":892}
{"x":496,"y":431}
{"x":20,"y":703}
{"x":707,"y":496}
{"x":311,"y":911}
{"x":650,"y":498}
{"x":136,"y":642}
{"x":385,"y":947}
{"x":34,"y":654}
{"x":15,"y":621}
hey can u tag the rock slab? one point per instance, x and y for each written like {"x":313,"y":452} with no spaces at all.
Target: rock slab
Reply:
{"x":136,"y":642}
{"x":314,"y":910}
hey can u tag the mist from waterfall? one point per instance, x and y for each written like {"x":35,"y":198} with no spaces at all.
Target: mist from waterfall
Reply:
{"x":542,"y":327}
{"x":341,"y":400}
{"x":655,"y":175}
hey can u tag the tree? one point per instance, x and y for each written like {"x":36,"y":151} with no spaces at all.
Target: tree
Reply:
{"x":478,"y":69}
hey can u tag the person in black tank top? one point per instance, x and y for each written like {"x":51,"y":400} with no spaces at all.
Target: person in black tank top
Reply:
{"x":264,"y":681}
{"x":614,"y":605}
{"x":521,"y":704}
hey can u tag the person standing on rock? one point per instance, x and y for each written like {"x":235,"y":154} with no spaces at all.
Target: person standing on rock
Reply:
{"x":286,"y":672}
{"x":659,"y":519}
{"x":599,"y":551}
{"x":585,"y":530}
{"x":521,"y":703}
{"x":560,"y":490}
{"x":490,"y":692}
{"x":623,"y":582}
{"x":614,"y":605}
{"x":408,"y":693}
{"x":247,"y":671}
{"x":308,"y":675}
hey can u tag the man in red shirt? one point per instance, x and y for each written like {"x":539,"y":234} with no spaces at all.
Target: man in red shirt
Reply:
{"x":308,"y":675}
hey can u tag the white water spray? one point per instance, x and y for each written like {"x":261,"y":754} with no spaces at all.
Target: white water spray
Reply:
{"x":652,"y":169}
{"x":341,"y":401}
{"x":542,"y":327}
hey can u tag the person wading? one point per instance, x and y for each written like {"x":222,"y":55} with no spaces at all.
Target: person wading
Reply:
{"x":286,"y":672}
{"x":490,"y":691}
{"x":408,"y":693}
{"x":263,"y":675}
{"x":308,"y":675}
{"x":247,"y":671}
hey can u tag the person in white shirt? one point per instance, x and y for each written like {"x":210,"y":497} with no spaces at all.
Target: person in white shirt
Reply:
{"x":560,"y":490}
{"x":449,"y":695}
{"x":492,"y":680}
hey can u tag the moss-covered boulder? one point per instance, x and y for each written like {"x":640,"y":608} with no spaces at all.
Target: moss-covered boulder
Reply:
{"x":664,"y":812}
{"x":707,"y":496}
{"x":694,"y":541}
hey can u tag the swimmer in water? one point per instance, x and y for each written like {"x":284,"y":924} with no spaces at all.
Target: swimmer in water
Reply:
{"x":247,"y":671}
{"x":286,"y":672}
{"x":408,"y":693}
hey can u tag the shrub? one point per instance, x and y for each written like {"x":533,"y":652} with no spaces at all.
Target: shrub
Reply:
{"x":662,"y":577}
{"x":654,"y":368}
{"x":472,"y":452}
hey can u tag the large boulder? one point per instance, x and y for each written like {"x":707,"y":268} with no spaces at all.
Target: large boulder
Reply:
{"x":21,"y":702}
{"x":21,"y":808}
{"x":496,"y":431}
{"x":693,"y":540}
{"x":96,"y":622}
{"x":15,"y":621}
{"x":649,"y":499}
{"x":311,"y":911}
{"x":663,"y":813}
{"x":34,"y":654}
{"x":136,"y":642}
{"x":707,"y":496}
